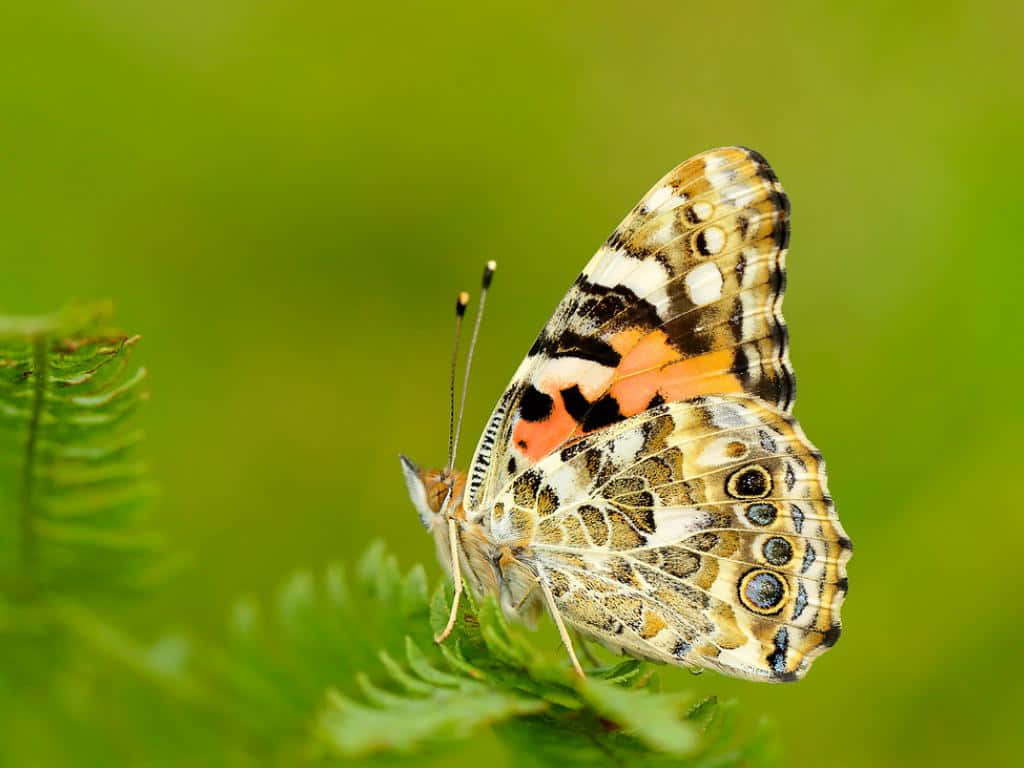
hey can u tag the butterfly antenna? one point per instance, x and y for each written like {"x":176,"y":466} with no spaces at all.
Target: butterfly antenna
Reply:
{"x":485,"y":285}
{"x":460,"y":312}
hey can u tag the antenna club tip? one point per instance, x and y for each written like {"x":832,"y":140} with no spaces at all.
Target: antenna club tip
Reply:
{"x":489,"y":270}
{"x":461,"y":303}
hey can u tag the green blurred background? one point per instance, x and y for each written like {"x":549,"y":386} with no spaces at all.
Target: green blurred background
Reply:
{"x":283,"y":197}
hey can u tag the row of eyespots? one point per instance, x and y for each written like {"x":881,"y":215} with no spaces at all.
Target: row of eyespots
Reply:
{"x":760,"y":590}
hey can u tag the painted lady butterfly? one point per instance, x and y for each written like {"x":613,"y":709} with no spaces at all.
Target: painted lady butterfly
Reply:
{"x":642,"y":478}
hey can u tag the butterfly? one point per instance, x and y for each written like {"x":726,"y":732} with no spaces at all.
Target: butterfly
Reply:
{"x":642,"y":478}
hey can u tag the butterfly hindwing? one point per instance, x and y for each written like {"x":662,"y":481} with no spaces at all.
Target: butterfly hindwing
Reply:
{"x":683,"y":299}
{"x":698,"y":533}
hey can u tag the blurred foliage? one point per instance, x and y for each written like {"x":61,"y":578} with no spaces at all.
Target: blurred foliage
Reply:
{"x":283,"y":197}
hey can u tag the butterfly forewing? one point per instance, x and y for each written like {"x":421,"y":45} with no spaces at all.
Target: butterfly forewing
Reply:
{"x":697,"y":533}
{"x":683,"y":299}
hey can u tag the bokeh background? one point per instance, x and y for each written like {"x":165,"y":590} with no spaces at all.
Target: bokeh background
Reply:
{"x":282,"y":198}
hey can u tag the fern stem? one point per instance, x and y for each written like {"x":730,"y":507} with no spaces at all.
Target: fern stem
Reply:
{"x":29,"y":548}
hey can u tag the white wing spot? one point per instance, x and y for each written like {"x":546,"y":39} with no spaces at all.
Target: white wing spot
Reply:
{"x":713,"y":165}
{"x":561,"y":372}
{"x":657,"y":198}
{"x":564,"y":482}
{"x":742,"y":195}
{"x":646,"y":278}
{"x":662,"y":234}
{"x":726,"y":415}
{"x":704,"y":284}
{"x":624,"y":449}
{"x":703,"y":211}
{"x":714,"y":239}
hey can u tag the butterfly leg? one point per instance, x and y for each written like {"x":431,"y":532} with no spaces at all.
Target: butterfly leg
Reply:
{"x":563,"y":633}
{"x":457,"y":576}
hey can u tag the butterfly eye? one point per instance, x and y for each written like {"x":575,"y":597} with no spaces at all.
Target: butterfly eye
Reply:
{"x":753,"y":482}
{"x":762,"y":592}
{"x":761,"y":513}
{"x":777,"y":551}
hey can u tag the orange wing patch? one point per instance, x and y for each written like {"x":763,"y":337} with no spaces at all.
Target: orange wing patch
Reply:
{"x":651,"y":371}
{"x":706,"y":374}
{"x":653,"y":351}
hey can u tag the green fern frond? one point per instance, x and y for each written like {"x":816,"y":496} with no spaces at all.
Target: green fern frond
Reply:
{"x":71,"y":481}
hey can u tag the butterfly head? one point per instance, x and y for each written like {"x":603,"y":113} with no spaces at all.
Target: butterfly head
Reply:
{"x":434,"y":493}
